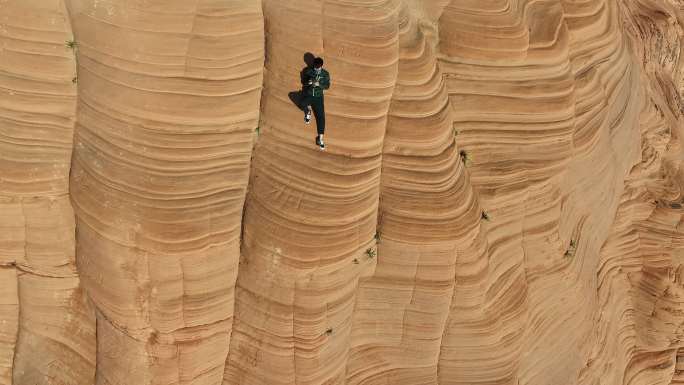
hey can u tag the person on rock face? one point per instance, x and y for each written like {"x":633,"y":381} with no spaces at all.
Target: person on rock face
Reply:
{"x":315,"y":80}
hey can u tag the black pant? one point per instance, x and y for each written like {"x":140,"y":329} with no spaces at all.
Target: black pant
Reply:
{"x":316,"y":104}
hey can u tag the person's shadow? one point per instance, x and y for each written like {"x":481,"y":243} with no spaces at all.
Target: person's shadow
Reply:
{"x":297,"y":96}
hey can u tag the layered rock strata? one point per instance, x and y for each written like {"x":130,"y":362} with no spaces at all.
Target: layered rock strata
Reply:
{"x":500,"y":201}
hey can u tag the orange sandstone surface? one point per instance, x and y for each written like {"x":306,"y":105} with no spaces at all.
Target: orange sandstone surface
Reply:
{"x":500,"y":203}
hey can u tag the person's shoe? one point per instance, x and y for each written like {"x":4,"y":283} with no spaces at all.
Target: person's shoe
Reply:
{"x":319,"y":143}
{"x":307,"y":117}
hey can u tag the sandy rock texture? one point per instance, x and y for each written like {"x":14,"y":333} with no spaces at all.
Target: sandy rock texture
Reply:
{"x":500,"y":203}
{"x":47,"y":326}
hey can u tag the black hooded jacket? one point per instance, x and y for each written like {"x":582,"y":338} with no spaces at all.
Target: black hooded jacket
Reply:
{"x":309,"y":76}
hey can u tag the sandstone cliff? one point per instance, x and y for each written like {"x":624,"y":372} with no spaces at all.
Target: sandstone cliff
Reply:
{"x":500,"y":201}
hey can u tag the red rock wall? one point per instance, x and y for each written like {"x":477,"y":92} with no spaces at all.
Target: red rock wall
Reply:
{"x":500,"y":201}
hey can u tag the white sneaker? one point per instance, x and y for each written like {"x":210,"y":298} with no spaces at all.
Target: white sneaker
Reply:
{"x":307,"y":117}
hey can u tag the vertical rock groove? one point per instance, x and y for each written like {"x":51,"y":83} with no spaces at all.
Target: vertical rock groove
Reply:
{"x":427,"y":210}
{"x":46,"y":327}
{"x":310,"y":215}
{"x":168,"y":101}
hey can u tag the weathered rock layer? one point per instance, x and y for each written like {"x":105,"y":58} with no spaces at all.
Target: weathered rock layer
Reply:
{"x":47,"y":328}
{"x":500,"y":201}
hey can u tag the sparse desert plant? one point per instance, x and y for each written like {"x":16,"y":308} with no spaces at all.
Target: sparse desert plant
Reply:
{"x":329,"y":331}
{"x":570,"y":252}
{"x":377,"y":236}
{"x":484,"y":216}
{"x":356,"y":261}
{"x":371,"y":253}
{"x":72,"y":45}
{"x":465,"y":157}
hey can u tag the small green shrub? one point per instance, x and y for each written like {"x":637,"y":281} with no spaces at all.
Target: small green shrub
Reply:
{"x":72,"y":45}
{"x":371,"y":253}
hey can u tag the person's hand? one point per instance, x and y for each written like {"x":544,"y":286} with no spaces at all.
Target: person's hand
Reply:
{"x":317,"y":84}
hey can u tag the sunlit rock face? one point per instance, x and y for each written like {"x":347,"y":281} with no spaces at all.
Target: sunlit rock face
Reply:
{"x":500,"y":201}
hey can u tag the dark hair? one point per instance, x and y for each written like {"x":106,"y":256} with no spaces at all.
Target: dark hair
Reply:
{"x":318,"y":62}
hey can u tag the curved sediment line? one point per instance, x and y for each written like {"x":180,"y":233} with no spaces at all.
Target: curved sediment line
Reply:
{"x":526,"y":249}
{"x":401,"y":311}
{"x":519,"y":162}
{"x":162,"y":154}
{"x":47,"y":328}
{"x":299,"y":328}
